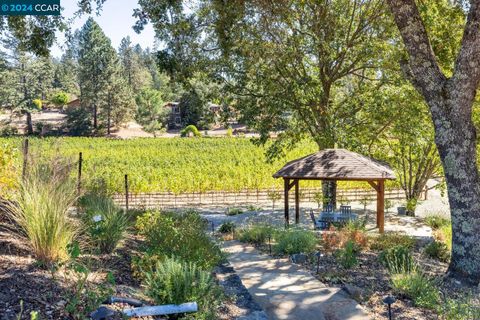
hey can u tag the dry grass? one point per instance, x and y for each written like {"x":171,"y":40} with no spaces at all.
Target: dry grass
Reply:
{"x":40,"y":209}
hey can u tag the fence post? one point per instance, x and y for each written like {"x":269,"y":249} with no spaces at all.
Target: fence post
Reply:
{"x":79,"y":182}
{"x":126,"y":193}
{"x":25,"y":159}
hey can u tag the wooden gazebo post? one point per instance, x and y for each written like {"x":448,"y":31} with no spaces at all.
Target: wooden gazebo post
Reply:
{"x":380,"y":188}
{"x":285,"y":191}
{"x":287,"y":185}
{"x":297,"y":202}
{"x":381,"y":206}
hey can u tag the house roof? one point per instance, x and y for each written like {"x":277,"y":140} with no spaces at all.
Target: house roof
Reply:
{"x":336,"y":164}
{"x":74,"y":101}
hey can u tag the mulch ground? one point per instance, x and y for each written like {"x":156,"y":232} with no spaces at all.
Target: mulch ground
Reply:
{"x":26,"y":287}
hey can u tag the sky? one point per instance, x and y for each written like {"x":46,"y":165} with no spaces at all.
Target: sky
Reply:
{"x":115,"y":19}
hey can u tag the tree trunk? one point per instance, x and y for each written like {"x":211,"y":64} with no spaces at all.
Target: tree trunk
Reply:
{"x":95,"y":111}
{"x":456,"y":142}
{"x":29,"y":123}
{"x":329,"y":190}
{"x":450,"y":101}
{"x":109,"y":121}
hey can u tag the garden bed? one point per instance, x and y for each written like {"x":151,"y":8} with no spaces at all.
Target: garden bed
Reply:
{"x":24,"y":282}
{"x":367,"y":279}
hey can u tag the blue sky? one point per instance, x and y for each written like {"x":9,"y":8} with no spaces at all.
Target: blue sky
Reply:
{"x":115,"y":19}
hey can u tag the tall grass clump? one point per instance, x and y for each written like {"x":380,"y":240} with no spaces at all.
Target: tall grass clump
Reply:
{"x":347,"y":256}
{"x":408,"y":279}
{"x":438,"y":250}
{"x":398,"y":260}
{"x":444,"y":234}
{"x":40,"y":208}
{"x":294,"y":241}
{"x":105,"y":222}
{"x":436,"y":221}
{"x":418,"y":287}
{"x":174,"y":282}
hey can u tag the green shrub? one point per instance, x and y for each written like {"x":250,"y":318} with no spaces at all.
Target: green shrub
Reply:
{"x":59,"y":99}
{"x":417,"y":287}
{"x":347,"y":256}
{"x":389,"y":240}
{"x":145,"y":263}
{"x":176,"y":282}
{"x":37,"y":104}
{"x":438,"y":250}
{"x":229,"y":132}
{"x":256,"y":234}
{"x":7,"y":130}
{"x":459,"y":309}
{"x":436,"y":221}
{"x":354,"y":225}
{"x":40,"y":208}
{"x":227,"y":227}
{"x":292,"y":241}
{"x":398,"y":260}
{"x":253,"y":208}
{"x":190,"y":129}
{"x":179,"y":234}
{"x":234,"y":211}
{"x":105,"y":222}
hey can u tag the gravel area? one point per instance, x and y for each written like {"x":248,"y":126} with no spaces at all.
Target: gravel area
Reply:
{"x":413,"y":226}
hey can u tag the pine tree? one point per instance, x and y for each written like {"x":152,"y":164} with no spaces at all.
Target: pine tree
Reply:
{"x":134,"y":68}
{"x":66,"y":74}
{"x":96,"y":67}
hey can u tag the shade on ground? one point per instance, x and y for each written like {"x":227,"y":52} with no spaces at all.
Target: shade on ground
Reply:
{"x":286,"y":291}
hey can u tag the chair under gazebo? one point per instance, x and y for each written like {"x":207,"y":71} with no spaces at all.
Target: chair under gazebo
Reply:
{"x":336,"y":165}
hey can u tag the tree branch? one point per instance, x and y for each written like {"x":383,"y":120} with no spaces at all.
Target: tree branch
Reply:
{"x":428,"y":78}
{"x":467,"y":66}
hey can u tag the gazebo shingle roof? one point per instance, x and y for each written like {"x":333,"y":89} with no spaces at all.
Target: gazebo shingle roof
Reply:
{"x":336,"y":164}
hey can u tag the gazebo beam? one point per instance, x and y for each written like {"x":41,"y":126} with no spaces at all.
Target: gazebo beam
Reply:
{"x":374,"y":185}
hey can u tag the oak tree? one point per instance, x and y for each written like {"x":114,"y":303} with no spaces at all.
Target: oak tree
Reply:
{"x":450,"y":98}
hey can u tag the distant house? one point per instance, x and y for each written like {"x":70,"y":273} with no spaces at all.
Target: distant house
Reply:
{"x":74,"y":103}
{"x":175,"y":119}
{"x":215,"y":109}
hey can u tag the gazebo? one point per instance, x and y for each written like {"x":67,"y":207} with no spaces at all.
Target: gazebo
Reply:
{"x":337,"y":165}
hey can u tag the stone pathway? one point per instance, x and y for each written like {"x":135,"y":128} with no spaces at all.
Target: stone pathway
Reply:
{"x":286,"y":291}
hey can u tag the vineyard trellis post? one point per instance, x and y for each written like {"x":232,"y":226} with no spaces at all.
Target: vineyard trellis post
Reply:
{"x":79,"y":182}
{"x":25,"y":159}
{"x":126,"y":193}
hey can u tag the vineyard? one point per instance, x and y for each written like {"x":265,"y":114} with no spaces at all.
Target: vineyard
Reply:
{"x":176,"y":165}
